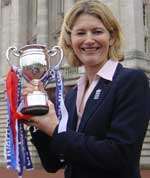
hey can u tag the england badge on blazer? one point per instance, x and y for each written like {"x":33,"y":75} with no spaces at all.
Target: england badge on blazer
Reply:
{"x":97,"y":94}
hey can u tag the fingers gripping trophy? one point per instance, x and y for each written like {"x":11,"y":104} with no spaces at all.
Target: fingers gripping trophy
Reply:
{"x":35,"y":66}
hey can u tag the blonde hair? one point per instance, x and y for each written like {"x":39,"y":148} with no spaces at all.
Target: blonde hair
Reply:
{"x":99,"y":10}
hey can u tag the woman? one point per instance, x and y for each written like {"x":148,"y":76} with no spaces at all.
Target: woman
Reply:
{"x":108,"y":109}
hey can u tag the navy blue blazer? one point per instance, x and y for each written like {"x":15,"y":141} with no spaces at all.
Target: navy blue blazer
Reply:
{"x":109,"y":140}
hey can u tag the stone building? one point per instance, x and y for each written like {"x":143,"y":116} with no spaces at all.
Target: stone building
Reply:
{"x":38,"y":21}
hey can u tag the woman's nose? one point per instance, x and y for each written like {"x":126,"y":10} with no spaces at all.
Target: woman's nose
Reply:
{"x":89,"y":38}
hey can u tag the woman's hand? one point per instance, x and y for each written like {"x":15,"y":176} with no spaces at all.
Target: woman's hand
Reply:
{"x":46,"y":123}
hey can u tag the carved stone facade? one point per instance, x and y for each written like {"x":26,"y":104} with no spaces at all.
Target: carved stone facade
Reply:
{"x":38,"y":21}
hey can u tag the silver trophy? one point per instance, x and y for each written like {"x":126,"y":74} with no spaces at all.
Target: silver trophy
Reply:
{"x":35,"y":63}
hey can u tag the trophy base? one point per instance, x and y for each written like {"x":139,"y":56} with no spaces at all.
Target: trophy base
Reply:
{"x":35,"y":110}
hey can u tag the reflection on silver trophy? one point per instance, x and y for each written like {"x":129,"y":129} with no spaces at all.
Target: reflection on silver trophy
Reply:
{"x":35,"y":64}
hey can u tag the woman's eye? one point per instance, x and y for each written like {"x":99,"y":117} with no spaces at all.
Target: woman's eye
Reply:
{"x":97,"y":32}
{"x":80,"y":33}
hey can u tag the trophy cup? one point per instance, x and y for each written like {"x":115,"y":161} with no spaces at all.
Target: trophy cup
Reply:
{"x":35,"y":65}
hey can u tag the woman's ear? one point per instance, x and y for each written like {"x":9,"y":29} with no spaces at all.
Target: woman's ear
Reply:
{"x":112,"y":39}
{"x":111,"y":42}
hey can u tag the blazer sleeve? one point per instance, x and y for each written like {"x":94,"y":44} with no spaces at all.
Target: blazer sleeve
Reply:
{"x":50,"y":161}
{"x":128,"y":123}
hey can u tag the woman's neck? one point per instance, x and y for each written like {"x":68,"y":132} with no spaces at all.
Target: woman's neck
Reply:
{"x":91,"y":73}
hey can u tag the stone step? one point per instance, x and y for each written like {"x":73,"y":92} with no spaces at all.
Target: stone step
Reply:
{"x":3,"y":103}
{"x":146,"y":146}
{"x":147,"y":140}
{"x":145,"y":153}
{"x":3,"y":121}
{"x":3,"y":117}
{"x":3,"y":161}
{"x":144,"y":161}
{"x":2,"y":94}
{"x":3,"y":132}
{"x":3,"y":112}
{"x":3,"y":142}
{"x":148,"y":133}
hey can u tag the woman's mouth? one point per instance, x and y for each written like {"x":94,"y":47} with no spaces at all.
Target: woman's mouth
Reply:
{"x":90,"y":49}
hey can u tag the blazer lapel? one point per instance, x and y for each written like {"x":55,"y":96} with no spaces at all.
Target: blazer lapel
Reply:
{"x":71,"y":107}
{"x":95,"y":100}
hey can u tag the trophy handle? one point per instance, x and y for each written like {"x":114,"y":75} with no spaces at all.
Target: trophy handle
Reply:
{"x":14,"y":51}
{"x":53,"y":52}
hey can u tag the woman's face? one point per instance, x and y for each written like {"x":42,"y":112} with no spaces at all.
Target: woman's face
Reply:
{"x":90,"y":40}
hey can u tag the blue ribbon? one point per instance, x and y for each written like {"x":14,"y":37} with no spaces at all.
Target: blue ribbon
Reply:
{"x":17,"y":154}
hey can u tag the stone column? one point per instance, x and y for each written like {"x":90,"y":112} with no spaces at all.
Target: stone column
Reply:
{"x":9,"y":21}
{"x":114,"y":6}
{"x":42,"y":22}
{"x":68,"y":4}
{"x":132,"y":21}
{"x":131,"y":16}
{"x":147,"y":26}
{"x":57,"y":10}
{"x":14,"y":23}
{"x":0,"y":34}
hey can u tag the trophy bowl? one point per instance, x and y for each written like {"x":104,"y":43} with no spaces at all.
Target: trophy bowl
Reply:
{"x":34,"y":63}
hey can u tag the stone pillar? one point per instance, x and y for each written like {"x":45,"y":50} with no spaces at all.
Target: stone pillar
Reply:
{"x":52,"y":22}
{"x":14,"y":23}
{"x":7,"y":15}
{"x":57,"y":10}
{"x":147,"y":26}
{"x":132,"y":22}
{"x":131,"y":16}
{"x":42,"y":22}
{"x":114,"y":6}
{"x":32,"y":23}
{"x":68,"y":4}
{"x":23,"y":22}
{"x":0,"y":34}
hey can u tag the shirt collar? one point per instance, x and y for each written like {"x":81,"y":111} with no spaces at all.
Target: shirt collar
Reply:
{"x":106,"y":72}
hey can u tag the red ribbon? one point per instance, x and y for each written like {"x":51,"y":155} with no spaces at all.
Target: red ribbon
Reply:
{"x":12,"y":90}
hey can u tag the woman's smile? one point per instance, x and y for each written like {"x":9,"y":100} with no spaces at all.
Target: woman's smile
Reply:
{"x":90,"y":50}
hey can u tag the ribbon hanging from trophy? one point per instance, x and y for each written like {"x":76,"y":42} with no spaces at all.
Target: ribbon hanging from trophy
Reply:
{"x":61,"y":110}
{"x":17,"y":152}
